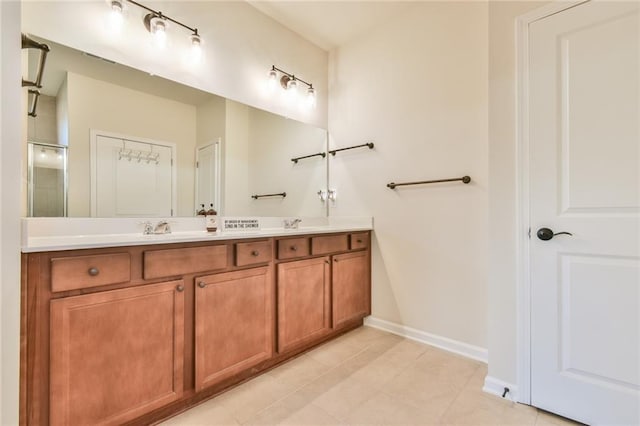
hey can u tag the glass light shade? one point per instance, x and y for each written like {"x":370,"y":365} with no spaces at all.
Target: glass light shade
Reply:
{"x":196,"y":47}
{"x":116,"y":16}
{"x":311,"y":97}
{"x":292,"y":85}
{"x":159,"y":31}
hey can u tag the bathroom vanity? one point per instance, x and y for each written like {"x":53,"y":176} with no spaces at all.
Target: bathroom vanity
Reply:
{"x":135,"y":333}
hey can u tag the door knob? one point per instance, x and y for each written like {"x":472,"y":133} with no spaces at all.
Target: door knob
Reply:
{"x":545,"y":234}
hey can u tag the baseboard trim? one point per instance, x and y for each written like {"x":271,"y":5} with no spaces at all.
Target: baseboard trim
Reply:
{"x":496,"y":387}
{"x":470,"y":351}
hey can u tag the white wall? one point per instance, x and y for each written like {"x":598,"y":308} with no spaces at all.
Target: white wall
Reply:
{"x":240,"y":46}
{"x":97,"y":105}
{"x":417,"y":87}
{"x":12,"y":136}
{"x":502,"y":342}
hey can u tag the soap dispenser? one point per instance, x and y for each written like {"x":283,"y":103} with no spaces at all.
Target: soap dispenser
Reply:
{"x":210,"y":216}
{"x":202,"y":211}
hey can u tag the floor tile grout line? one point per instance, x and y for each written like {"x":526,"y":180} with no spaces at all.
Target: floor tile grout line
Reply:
{"x":296,"y":389}
{"x":462,"y":388}
{"x":331,"y":368}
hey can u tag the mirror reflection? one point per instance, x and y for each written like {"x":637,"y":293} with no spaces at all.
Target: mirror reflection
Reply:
{"x":130,"y":144}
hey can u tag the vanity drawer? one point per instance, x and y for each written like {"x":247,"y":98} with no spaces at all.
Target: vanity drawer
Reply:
{"x":253,"y":253}
{"x":173,"y":262}
{"x":359,"y":240}
{"x":69,"y":273}
{"x":291,"y":248}
{"x":329,"y":244}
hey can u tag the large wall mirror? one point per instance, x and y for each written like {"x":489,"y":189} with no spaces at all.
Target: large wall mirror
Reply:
{"x":124,"y":143}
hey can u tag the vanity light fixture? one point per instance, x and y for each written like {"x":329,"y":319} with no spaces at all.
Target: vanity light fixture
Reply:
{"x":290,"y":82}
{"x":156,"y":23}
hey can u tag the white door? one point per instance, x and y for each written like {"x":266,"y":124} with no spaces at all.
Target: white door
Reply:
{"x":585,"y":153}
{"x":207,"y":177}
{"x":131,"y":178}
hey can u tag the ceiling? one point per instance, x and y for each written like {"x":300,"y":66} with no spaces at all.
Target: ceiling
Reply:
{"x":330,"y":24}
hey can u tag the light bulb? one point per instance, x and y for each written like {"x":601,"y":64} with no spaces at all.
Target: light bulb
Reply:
{"x":311,"y":97}
{"x":292,"y":85}
{"x":273,"y":80}
{"x":116,"y":16}
{"x":196,"y":47}
{"x":159,"y":31}
{"x":43,"y":153}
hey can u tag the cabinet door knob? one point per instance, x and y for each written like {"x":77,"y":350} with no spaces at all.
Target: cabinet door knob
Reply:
{"x":201,"y":284}
{"x":93,"y":271}
{"x":335,"y":260}
{"x":293,"y":248}
{"x":359,"y":241}
{"x":255,"y":253}
{"x":180,"y":288}
{"x":327,"y":262}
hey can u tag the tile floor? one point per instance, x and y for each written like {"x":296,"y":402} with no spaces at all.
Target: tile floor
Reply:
{"x":367,"y":377}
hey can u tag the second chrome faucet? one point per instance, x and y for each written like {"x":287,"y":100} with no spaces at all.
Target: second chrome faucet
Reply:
{"x":162,"y":227}
{"x":291,"y":223}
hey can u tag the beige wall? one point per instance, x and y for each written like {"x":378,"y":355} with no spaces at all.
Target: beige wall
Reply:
{"x":210,"y":120}
{"x":97,"y":105}
{"x":273,"y":141}
{"x":43,"y":127}
{"x":502,"y":320}
{"x":235,"y":168}
{"x":417,"y":87}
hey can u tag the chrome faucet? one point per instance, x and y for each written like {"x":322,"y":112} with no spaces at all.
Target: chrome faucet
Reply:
{"x":291,"y":223}
{"x":162,"y":227}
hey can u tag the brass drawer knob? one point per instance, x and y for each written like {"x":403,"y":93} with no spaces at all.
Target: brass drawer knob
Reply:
{"x":93,"y":271}
{"x":180,"y":288}
{"x":293,"y":248}
{"x":255,"y":253}
{"x":359,"y":241}
{"x":201,"y":284}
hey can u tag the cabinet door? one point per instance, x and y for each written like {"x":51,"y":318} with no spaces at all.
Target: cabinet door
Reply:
{"x":234,"y":323}
{"x":116,"y":355}
{"x":304,"y":310}
{"x":351,"y":284}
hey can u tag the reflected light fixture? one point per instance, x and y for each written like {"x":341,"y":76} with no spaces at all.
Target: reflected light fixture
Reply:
{"x":157,"y":26}
{"x":157,"y":23}
{"x":290,"y":83}
{"x":116,"y":15}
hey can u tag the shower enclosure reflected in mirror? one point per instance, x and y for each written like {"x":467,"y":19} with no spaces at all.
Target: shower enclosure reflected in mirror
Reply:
{"x":47,"y":180}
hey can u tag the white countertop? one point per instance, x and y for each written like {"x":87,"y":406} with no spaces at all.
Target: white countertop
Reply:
{"x":53,"y":234}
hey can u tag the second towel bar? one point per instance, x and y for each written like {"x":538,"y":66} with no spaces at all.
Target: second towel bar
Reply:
{"x":463,"y":179}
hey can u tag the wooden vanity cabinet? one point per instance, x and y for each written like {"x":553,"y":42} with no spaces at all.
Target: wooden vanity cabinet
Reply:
{"x":351,"y":286}
{"x":304,"y":301}
{"x":233,"y":323}
{"x":115,"y":355}
{"x":133,"y":335}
